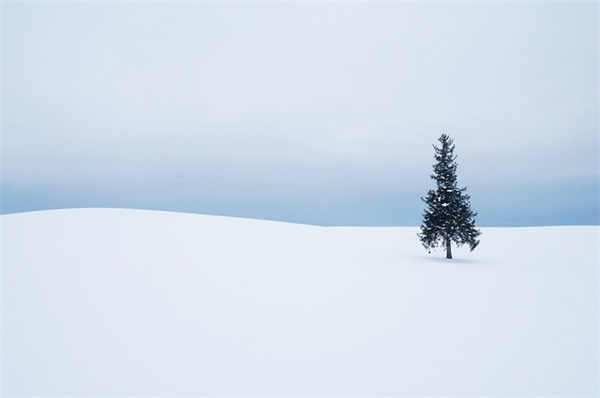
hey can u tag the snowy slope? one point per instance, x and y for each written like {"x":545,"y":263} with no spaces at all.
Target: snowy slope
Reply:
{"x":126,"y":302}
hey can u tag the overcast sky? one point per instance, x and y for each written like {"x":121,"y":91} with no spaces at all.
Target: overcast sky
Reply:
{"x":320,"y":112}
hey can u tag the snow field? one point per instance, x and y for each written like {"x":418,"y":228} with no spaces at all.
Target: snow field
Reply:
{"x":130,"y":302}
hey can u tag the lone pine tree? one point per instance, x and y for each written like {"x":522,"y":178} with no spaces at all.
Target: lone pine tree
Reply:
{"x":448,"y":217}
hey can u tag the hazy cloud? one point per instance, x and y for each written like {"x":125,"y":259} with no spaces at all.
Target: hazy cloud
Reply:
{"x":310,"y":112}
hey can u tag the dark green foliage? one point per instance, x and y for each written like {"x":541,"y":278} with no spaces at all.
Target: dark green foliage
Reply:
{"x":448,"y":217}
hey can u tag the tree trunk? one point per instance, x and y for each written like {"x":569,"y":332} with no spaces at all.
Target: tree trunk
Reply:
{"x":448,"y":249}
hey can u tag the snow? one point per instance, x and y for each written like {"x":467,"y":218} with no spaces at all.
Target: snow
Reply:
{"x":126,"y":302}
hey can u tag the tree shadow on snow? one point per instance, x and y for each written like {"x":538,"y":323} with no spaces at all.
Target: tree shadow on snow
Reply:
{"x":441,"y":259}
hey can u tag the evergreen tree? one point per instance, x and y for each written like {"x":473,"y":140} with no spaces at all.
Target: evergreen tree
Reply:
{"x":448,"y":217}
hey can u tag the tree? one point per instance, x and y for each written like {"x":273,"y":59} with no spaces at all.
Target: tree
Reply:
{"x":448,"y":217}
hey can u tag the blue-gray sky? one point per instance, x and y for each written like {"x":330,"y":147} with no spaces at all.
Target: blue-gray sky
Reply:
{"x":312,"y":112}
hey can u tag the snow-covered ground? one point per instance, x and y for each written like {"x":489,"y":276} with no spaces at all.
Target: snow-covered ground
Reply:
{"x":126,"y":302}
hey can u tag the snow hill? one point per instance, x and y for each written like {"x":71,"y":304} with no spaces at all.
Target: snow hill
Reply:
{"x":125,"y":302}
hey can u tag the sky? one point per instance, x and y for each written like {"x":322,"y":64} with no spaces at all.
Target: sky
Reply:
{"x":313,"y":112}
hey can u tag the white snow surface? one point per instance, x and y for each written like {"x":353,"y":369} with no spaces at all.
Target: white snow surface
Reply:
{"x":129,"y":302}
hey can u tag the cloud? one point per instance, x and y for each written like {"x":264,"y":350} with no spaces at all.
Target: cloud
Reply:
{"x":165,"y":105}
